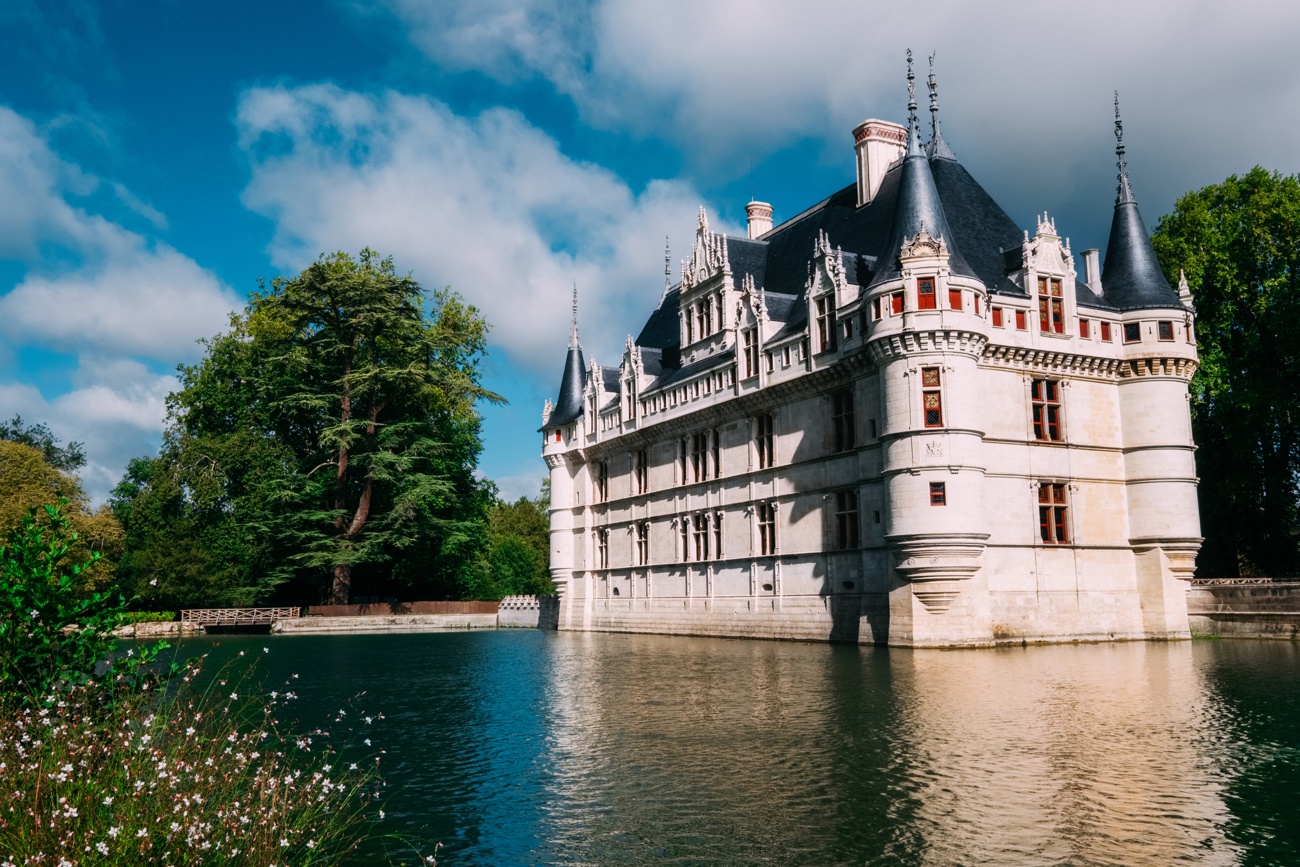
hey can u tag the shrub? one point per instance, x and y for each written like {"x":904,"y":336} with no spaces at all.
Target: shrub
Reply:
{"x":52,"y":628}
{"x":126,"y":618}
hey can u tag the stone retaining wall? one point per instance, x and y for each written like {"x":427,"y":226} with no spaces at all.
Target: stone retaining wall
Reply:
{"x":384,"y":623}
{"x":1239,"y":608}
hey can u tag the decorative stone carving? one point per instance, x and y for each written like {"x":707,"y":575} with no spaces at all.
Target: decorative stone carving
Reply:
{"x":709,"y":256}
{"x":923,"y":245}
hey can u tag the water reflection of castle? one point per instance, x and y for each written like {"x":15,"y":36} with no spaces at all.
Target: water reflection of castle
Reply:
{"x":896,"y":418}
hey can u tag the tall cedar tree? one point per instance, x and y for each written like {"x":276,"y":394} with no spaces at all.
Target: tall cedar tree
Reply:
{"x":336,"y":421}
{"x":1239,"y":244}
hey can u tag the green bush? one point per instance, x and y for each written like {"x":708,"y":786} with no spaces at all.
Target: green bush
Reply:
{"x":126,"y":618}
{"x":53,"y":630}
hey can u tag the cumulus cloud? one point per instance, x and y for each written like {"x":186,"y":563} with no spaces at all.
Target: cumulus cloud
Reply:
{"x":487,"y":204}
{"x":1025,"y":87}
{"x":121,"y":304}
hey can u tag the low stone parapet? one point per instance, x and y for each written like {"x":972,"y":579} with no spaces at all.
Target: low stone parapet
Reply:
{"x":1244,"y":607}
{"x":155,"y":629}
{"x":384,"y":623}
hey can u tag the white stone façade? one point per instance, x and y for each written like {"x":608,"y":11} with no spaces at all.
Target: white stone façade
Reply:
{"x":925,"y":443}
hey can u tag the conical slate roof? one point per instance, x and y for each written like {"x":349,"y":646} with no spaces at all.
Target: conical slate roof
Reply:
{"x":568,"y":406}
{"x":1131,"y":278}
{"x":917,"y":208}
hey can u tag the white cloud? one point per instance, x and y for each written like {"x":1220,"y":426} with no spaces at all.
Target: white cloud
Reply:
{"x":1025,"y":86}
{"x":95,"y":290}
{"x":487,"y":204}
{"x":117,"y":412}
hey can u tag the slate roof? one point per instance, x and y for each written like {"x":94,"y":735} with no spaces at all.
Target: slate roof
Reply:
{"x":568,"y":405}
{"x":983,"y":242}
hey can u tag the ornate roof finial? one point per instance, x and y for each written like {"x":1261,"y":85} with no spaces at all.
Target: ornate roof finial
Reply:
{"x":1123,"y":192}
{"x":938,"y":148}
{"x":573,"y":335}
{"x":668,"y":273}
{"x":934,"y":101}
{"x":911,"y":91}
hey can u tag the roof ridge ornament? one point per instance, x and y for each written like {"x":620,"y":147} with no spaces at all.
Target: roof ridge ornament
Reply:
{"x":1123,"y":192}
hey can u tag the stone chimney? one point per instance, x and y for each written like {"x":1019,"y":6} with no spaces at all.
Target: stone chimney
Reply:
{"x":760,"y":218}
{"x":879,"y":144}
{"x":1092,"y":269}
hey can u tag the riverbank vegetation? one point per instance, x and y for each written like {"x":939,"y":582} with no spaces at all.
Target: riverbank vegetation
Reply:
{"x":1238,"y":242}
{"x":118,"y":759}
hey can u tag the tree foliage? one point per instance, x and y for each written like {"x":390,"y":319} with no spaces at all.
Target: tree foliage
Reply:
{"x":328,"y":438}
{"x":68,"y":459}
{"x":29,"y":481}
{"x":1239,"y":245}
{"x":51,"y":628}
{"x":518,"y":550}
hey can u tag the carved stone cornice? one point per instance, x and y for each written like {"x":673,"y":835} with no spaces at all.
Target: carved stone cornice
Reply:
{"x":885,"y":347}
{"x":1076,"y":364}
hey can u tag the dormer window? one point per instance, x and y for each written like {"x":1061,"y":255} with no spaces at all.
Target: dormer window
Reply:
{"x":1051,"y":306}
{"x":825,"y":324}
{"x":925,"y":294}
{"x":750,"y":340}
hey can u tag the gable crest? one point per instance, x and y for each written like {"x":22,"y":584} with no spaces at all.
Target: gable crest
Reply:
{"x":829,"y":262}
{"x":708,"y":255}
{"x":1047,"y":251}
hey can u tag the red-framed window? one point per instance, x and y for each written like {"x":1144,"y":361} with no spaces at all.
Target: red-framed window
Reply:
{"x":954,"y":299}
{"x":1085,"y":329}
{"x":938,"y":494}
{"x":896,"y":303}
{"x":1051,"y":306}
{"x":1045,"y":400}
{"x":996,"y":313}
{"x":1105,"y":332}
{"x":931,"y":397}
{"x":1021,"y":323}
{"x":925,"y":294}
{"x":1052,"y":526}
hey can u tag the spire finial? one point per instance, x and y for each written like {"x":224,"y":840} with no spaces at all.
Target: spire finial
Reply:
{"x":1123,"y":192}
{"x":668,"y":272}
{"x":934,"y":101}
{"x":573,"y":335}
{"x":911,"y":91}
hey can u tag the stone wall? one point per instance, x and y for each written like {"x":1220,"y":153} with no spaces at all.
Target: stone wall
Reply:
{"x":1247,"y":608}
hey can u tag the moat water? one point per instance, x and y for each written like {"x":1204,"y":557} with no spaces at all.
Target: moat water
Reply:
{"x":522,"y":747}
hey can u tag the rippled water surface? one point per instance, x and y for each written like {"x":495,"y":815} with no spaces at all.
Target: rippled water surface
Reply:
{"x":524,"y":747}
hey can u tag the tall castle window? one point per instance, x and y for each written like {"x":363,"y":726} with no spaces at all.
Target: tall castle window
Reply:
{"x":954,"y":299}
{"x":700,"y":536}
{"x":1105,"y":332}
{"x":1045,"y":399}
{"x":846,"y":519}
{"x":842,"y":420}
{"x":1051,"y":514}
{"x":602,"y":548}
{"x":750,"y":340}
{"x":1020,"y":321}
{"x":602,"y":481}
{"x":931,"y":397}
{"x":825,"y":323}
{"x":925,"y":293}
{"x":896,"y":303}
{"x":1051,"y":306}
{"x":642,"y":543}
{"x":641,"y":470}
{"x":996,"y":313}
{"x":764,"y":440}
{"x":765,"y":514}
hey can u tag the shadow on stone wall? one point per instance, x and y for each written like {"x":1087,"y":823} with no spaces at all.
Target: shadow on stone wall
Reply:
{"x":850,"y":611}
{"x":548,"y":616}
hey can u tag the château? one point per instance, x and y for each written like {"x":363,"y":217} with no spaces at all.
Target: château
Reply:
{"x":895,"y":418}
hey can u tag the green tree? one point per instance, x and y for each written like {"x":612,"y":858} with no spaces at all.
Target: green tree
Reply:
{"x":331,"y":434}
{"x":29,"y":481}
{"x":1239,"y":244}
{"x":518,"y":549}
{"x":68,"y":459}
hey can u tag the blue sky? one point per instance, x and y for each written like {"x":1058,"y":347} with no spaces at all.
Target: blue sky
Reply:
{"x":157,"y":157}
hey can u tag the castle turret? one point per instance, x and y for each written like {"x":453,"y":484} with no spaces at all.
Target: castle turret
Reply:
{"x":1159,"y":358}
{"x":926,"y":338}
{"x":561,"y":435}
